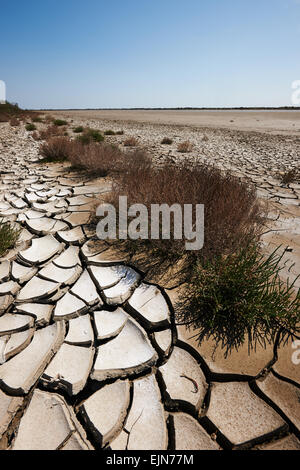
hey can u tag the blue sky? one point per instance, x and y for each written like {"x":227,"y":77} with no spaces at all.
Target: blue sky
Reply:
{"x":149,"y":53}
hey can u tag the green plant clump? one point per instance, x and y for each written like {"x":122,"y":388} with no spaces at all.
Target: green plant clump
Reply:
{"x":59,"y":122}
{"x":30,"y":127}
{"x":240,"y":298}
{"x":8,"y":236}
{"x":90,"y":135}
{"x":78,"y":129}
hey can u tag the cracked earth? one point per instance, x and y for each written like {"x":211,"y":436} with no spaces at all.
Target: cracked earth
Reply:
{"x":90,"y":355}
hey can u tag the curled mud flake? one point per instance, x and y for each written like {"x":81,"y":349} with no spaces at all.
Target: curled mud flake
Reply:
{"x":196,"y":388}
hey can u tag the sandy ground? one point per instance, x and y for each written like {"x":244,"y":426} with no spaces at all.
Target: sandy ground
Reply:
{"x":273,"y":122}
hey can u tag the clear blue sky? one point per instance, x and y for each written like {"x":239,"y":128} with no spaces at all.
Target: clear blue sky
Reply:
{"x":149,"y":53}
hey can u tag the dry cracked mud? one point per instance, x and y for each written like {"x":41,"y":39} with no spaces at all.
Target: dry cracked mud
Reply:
{"x":90,"y":355}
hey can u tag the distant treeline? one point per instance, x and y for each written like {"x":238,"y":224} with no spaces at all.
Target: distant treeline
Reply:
{"x":187,"y":108}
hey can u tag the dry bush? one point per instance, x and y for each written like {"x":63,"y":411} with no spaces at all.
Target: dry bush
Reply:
{"x":9,"y":111}
{"x":185,"y":147}
{"x":205,"y":138}
{"x":90,"y":135}
{"x":56,"y":149}
{"x":290,"y":176}
{"x":51,"y":131}
{"x":14,"y":122}
{"x":49,"y":118}
{"x":131,"y":142}
{"x":98,"y":159}
{"x":231,"y":210}
{"x":35,"y":136}
{"x":166,"y":141}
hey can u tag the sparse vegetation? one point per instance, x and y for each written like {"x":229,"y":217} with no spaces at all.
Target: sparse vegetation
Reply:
{"x":37,"y":119}
{"x":51,"y":131}
{"x":166,"y":141}
{"x":90,"y":135}
{"x":291,"y":176}
{"x":98,"y":159}
{"x":78,"y":129}
{"x":35,"y":135}
{"x":60,"y":122}
{"x":9,"y":111}
{"x":109,"y":132}
{"x":14,"y":122}
{"x":240,"y":299}
{"x":185,"y":147}
{"x":119,"y":132}
{"x":232,"y":213}
{"x":30,"y":127}
{"x":131,"y":142}
{"x":56,"y":149}
{"x":8,"y":236}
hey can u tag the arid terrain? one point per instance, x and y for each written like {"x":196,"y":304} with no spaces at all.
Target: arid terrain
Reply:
{"x":274,"y":122}
{"x":92,"y":356}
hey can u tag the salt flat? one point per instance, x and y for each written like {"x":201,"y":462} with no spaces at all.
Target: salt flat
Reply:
{"x":274,"y":122}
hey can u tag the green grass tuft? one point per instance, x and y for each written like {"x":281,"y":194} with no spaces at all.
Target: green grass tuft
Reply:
{"x":8,"y":236}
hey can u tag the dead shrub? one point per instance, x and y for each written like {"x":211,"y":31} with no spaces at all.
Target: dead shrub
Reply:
{"x":14,"y":122}
{"x":166,"y":141}
{"x":97,"y":158}
{"x":231,"y":211}
{"x":56,"y":149}
{"x":131,"y":142}
{"x":290,"y":176}
{"x":52,"y":131}
{"x":35,"y":136}
{"x":185,"y":147}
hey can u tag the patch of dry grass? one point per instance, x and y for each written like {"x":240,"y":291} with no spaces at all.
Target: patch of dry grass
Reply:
{"x":185,"y":147}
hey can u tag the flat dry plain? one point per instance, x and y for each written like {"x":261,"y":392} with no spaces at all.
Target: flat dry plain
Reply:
{"x":277,"y":122}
